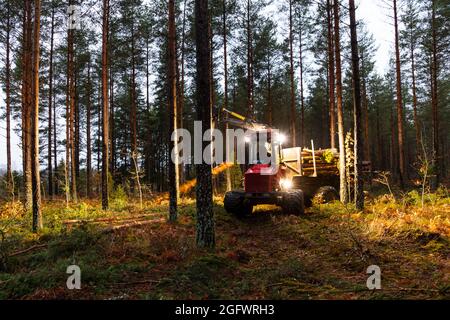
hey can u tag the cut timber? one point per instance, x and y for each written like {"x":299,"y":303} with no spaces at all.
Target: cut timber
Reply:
{"x":319,"y":168}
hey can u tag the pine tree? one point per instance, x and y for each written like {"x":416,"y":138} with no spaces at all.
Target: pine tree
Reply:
{"x":401,"y":135}
{"x":105,"y":109}
{"x":359,"y":195}
{"x":172,"y":98}
{"x":35,"y":172}
{"x":205,"y":219}
{"x":340,"y":114}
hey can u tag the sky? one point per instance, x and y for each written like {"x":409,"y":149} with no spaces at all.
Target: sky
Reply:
{"x":373,"y":12}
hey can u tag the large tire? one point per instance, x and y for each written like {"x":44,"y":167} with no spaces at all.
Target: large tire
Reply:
{"x":293,"y":203}
{"x":234,"y":203}
{"x":325,"y":195}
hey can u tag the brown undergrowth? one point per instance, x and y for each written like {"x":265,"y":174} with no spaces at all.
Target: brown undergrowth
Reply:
{"x":322,"y":255}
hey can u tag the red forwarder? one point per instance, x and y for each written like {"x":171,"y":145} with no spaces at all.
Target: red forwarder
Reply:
{"x":285,"y":185}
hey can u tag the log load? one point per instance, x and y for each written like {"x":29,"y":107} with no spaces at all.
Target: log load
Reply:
{"x":326,"y":162}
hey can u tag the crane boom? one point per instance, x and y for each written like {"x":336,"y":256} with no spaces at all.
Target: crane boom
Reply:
{"x":241,"y":121}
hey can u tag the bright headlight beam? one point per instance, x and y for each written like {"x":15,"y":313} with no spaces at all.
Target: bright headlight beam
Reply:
{"x":286,"y":184}
{"x":281,"y":138}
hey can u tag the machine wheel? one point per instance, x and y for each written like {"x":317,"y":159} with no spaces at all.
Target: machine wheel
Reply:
{"x":293,"y":203}
{"x":325,"y":195}
{"x":234,"y":203}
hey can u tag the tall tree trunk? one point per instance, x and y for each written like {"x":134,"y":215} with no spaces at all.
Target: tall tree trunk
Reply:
{"x":55,"y":150}
{"x":340,"y":114}
{"x":112,"y":120}
{"x":9,"y":176}
{"x":133,"y":117}
{"x":293,"y":117}
{"x":67,"y":160}
{"x":380,"y":153}
{"x":392,"y":154}
{"x":302,"y":95}
{"x":269,"y":92}
{"x":401,"y":150}
{"x":173,"y":166}
{"x":71,"y":76}
{"x":331,"y":76}
{"x":182,"y":84}
{"x":27,"y":105}
{"x":88,"y":135}
{"x":250,"y":102}
{"x":36,"y":179}
{"x":205,"y":219}
{"x":225,"y":70}
{"x":414,"y":92}
{"x":76,"y":128}
{"x":148,"y":142}
{"x":434,"y":93}
{"x":359,"y":194}
{"x":105,"y":111}
{"x":50,"y":107}
{"x":99,"y":130}
{"x":365,"y":111}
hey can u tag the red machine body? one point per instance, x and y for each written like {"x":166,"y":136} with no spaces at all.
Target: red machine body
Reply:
{"x":257,"y":182}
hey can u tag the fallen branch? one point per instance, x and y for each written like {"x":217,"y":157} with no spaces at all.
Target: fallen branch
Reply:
{"x":135,"y":282}
{"x":75,"y":221}
{"x":336,"y":290}
{"x":37,"y":246}
{"x":133,"y":224}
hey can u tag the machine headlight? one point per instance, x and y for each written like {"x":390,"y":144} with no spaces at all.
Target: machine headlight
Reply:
{"x":281,"y":138}
{"x":286,"y":184}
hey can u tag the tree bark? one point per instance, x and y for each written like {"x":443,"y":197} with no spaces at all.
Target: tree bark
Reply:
{"x":71,"y":142}
{"x":359,"y":194}
{"x":269,"y":91}
{"x":182,"y":85}
{"x":112,"y":119}
{"x":27,"y":105}
{"x":331,"y":78}
{"x":434,"y":93}
{"x":250,"y":83}
{"x":76,"y":128}
{"x":401,"y":151}
{"x":133,"y":117}
{"x":55,"y":150}
{"x":36,"y":179}
{"x":50,"y":109}
{"x":340,"y":114}
{"x":365,"y":111}
{"x":9,"y":176}
{"x":225,"y":71}
{"x":302,"y":95}
{"x":291,"y":76}
{"x":205,"y":219}
{"x":88,"y":135}
{"x":414,"y":92}
{"x":173,"y":166}
{"x":105,"y":111}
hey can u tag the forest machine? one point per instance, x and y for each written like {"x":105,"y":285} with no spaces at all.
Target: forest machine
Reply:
{"x":298,"y":177}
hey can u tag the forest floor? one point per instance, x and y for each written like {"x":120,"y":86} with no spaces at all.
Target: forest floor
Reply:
{"x":133,"y":253}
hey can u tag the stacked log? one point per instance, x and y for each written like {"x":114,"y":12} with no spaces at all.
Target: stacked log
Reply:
{"x":327,"y":162}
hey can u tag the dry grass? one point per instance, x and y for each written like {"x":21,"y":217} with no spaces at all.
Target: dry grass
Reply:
{"x":323,"y":255}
